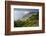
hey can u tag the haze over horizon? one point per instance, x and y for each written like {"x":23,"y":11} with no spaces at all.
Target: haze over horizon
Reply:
{"x":19,"y":13}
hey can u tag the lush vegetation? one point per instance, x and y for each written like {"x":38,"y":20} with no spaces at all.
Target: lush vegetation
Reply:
{"x":31,"y":21}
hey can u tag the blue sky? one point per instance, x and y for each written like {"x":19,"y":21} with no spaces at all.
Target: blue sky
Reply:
{"x":19,"y":12}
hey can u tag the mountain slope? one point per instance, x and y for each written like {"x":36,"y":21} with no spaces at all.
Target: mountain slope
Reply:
{"x":32,"y":20}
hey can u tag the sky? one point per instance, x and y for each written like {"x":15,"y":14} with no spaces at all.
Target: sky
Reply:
{"x":19,"y":12}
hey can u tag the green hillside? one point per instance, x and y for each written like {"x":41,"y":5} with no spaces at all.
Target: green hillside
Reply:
{"x":31,"y":21}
